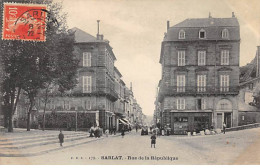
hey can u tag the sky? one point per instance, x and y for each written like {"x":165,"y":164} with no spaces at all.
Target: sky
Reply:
{"x":135,"y":29}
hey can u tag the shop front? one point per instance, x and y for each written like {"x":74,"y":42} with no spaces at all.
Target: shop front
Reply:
{"x":183,"y":122}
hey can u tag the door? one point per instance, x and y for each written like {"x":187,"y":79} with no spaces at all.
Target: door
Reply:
{"x":227,"y":119}
{"x":219,"y":121}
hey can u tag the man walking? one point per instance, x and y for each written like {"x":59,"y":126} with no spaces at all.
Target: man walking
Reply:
{"x":224,"y":127}
{"x":61,"y":138}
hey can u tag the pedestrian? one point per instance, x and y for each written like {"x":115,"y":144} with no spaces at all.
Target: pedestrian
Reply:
{"x":162,"y":132}
{"x":107,"y":132}
{"x":224,"y":127}
{"x":114,"y":130}
{"x":123,"y":132}
{"x":99,"y":132}
{"x":61,"y":138}
{"x":130,"y":128}
{"x":91,"y":131}
{"x":96,"y":132}
{"x":136,"y":128}
{"x":153,"y":140}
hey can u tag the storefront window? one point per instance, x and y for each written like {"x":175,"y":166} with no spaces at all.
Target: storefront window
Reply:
{"x":180,"y":119}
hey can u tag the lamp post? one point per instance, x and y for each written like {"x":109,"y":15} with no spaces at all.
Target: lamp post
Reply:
{"x":76,"y":109}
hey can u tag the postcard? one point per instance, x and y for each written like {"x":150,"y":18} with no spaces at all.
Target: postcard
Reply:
{"x":141,"y":82}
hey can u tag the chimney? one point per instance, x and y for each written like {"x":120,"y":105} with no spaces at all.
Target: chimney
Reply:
{"x":131,"y":86}
{"x":168,"y":24}
{"x":258,"y":61}
{"x":102,"y":37}
{"x":210,"y":15}
{"x":98,"y":36}
{"x":233,"y":15}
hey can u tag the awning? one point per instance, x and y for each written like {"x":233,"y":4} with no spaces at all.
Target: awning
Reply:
{"x":126,"y":121}
{"x":123,"y":122}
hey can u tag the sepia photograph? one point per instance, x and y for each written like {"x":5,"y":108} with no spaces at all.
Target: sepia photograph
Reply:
{"x":129,"y":82}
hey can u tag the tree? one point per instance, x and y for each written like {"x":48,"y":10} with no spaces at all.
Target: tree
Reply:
{"x":31,"y":66}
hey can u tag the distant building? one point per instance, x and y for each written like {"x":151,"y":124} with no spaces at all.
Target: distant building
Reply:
{"x":249,"y":87}
{"x":200,"y":74}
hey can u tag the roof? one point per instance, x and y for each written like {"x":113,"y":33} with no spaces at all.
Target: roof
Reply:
{"x":248,"y":72}
{"x":82,"y":36}
{"x":208,"y":22}
{"x":212,"y":26}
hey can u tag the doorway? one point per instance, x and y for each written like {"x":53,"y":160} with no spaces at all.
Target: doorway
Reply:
{"x":219,"y":120}
{"x":227,"y":119}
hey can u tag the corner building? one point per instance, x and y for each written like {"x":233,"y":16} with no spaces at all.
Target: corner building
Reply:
{"x":200,"y":74}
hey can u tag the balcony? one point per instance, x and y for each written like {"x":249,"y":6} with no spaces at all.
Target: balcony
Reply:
{"x":93,"y":91}
{"x":194,"y":90}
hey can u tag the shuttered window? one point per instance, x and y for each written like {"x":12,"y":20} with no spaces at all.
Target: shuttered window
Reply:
{"x":87,"y":84}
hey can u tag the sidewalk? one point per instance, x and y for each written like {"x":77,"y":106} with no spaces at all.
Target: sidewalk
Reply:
{"x":22,"y":143}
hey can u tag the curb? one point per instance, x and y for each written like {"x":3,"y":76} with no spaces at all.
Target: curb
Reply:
{"x":52,"y":150}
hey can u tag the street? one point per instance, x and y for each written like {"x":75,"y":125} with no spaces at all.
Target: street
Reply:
{"x":238,"y":147}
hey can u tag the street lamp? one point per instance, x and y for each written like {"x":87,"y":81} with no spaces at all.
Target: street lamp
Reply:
{"x":76,"y":109}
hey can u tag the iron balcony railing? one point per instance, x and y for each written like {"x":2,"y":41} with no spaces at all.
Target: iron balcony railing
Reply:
{"x":175,"y":90}
{"x":89,"y":91}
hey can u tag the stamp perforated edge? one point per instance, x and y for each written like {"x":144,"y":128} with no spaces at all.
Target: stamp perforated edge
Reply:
{"x":20,"y":4}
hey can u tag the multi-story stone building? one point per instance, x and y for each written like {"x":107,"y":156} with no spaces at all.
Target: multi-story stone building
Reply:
{"x":200,"y":74}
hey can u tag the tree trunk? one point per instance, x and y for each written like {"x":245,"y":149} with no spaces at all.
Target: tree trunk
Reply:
{"x":45,"y":103}
{"x":32,"y":101}
{"x":10,"y":123}
{"x":43,"y":121}
{"x":28,"y":120}
{"x":29,"y":117}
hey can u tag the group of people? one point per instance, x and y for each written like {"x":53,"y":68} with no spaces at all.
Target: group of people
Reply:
{"x":97,"y":131}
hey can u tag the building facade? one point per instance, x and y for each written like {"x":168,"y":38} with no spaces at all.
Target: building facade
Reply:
{"x":249,"y":83}
{"x":99,"y":98}
{"x":200,"y":74}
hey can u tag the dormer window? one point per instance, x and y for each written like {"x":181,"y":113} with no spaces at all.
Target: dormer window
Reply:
{"x":225,"y":33}
{"x":202,"y":34}
{"x":181,"y":34}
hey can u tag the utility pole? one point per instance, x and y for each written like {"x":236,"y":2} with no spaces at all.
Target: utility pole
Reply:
{"x":76,"y":109}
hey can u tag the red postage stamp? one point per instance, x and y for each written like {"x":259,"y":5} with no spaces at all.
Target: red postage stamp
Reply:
{"x":24,"y":22}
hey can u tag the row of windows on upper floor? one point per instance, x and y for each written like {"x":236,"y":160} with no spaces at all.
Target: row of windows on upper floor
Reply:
{"x":86,"y":60}
{"x":201,"y":104}
{"x":202,"y":58}
{"x":224,"y":83}
{"x":203,"y":35}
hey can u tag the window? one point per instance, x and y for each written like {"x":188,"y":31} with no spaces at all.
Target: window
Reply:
{"x":251,"y":86}
{"x":202,"y":34}
{"x":87,"y":83}
{"x":201,"y":104}
{"x":201,"y":83}
{"x":180,"y":119}
{"x":225,"y":57}
{"x":180,"y":83}
{"x":225,"y":33}
{"x":66,"y":105}
{"x":181,"y":58}
{"x":243,"y":117}
{"x":224,"y":83}
{"x":181,"y":34}
{"x":87,"y":105}
{"x":223,"y":106}
{"x":201,"y":58}
{"x":86,"y":59}
{"x":180,"y":104}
